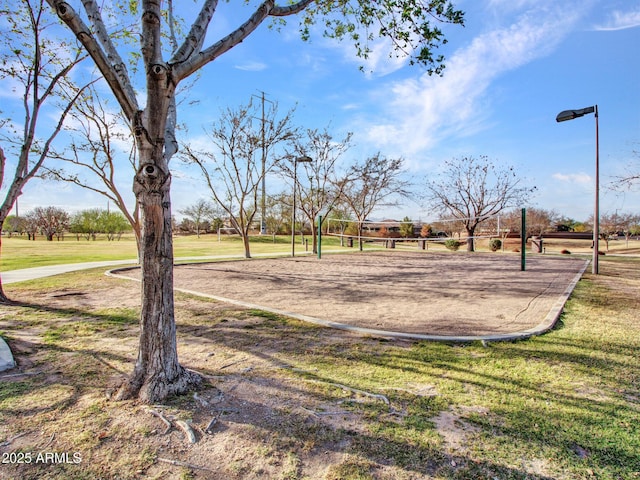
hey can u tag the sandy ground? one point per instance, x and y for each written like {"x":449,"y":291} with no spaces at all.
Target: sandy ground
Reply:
{"x":421,"y":293}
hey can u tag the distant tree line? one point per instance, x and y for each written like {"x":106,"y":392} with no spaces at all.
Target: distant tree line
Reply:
{"x":54,"y":222}
{"x":541,"y":222}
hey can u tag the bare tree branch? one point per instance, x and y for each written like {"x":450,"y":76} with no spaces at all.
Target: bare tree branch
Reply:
{"x":372,"y":184}
{"x":474,"y":190}
{"x":114,"y":74}
{"x":192,"y":63}
{"x":195,"y":38}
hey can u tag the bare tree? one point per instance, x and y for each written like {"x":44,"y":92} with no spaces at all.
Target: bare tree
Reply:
{"x":339,"y":219}
{"x":539,"y":221}
{"x":50,"y":221}
{"x":31,"y":63}
{"x":319,"y":183}
{"x":234,"y":171}
{"x":472,"y":190}
{"x":200,"y":212}
{"x":157,"y":372}
{"x":374,"y":183}
{"x":278,"y":213}
{"x":615,"y":224}
{"x":631,"y":179}
{"x":31,"y":226}
{"x":96,"y":148}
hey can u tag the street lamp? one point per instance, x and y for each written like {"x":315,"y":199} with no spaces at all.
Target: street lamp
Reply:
{"x":303,"y":159}
{"x":570,"y":115}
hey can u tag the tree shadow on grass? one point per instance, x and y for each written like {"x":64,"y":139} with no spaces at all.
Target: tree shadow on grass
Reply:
{"x":275,"y":344}
{"x":578,"y":435}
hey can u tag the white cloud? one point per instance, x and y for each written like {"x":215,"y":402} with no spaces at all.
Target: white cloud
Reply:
{"x":573,"y":177}
{"x":382,"y":59}
{"x":252,"y":66}
{"x":424,"y":110}
{"x":621,"y":20}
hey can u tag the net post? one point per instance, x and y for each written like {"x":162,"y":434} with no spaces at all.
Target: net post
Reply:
{"x":319,"y":237}
{"x":523,"y":239}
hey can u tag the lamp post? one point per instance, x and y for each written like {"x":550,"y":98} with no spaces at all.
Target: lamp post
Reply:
{"x":570,"y":115}
{"x":303,"y":159}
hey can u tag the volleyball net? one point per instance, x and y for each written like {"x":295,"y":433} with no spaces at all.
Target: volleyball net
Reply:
{"x":408,"y":230}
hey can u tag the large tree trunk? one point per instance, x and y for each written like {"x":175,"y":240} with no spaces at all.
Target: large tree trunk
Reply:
{"x":3,"y":296}
{"x":470,"y":243}
{"x":157,"y":373}
{"x":247,"y":246}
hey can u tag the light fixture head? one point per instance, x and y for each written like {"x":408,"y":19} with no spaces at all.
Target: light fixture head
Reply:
{"x":571,"y":114}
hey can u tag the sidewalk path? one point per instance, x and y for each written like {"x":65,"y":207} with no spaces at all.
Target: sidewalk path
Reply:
{"x":15,"y":276}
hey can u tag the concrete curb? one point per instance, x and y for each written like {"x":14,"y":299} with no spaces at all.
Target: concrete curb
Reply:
{"x":547,"y":324}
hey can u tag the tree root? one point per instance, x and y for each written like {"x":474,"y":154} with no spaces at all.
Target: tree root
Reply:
{"x":212,"y":423}
{"x":151,"y":389}
{"x":178,"y":463}
{"x":10,"y":440}
{"x":181,"y":424}
{"x":163,"y":418}
{"x":376,"y":396}
{"x":319,"y":414}
{"x":188,"y":431}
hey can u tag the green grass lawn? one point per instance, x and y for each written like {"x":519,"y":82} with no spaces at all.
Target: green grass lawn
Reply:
{"x":18,"y":252}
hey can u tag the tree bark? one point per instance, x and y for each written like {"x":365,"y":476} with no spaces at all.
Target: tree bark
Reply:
{"x":470,"y":243}
{"x":247,"y":246}
{"x":3,"y":297}
{"x":157,"y":373}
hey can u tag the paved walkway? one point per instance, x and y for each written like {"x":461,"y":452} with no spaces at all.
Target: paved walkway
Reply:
{"x":15,"y":276}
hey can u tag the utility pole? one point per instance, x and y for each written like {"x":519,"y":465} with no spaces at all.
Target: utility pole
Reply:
{"x":263,"y":201}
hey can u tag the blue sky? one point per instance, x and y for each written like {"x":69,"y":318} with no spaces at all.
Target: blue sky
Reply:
{"x":513,"y":67}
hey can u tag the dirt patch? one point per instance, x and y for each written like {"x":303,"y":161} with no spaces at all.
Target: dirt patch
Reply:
{"x":425,"y":294}
{"x":455,"y":429}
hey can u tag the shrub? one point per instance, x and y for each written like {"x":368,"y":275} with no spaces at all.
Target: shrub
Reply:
{"x":495,"y":244}
{"x":452,"y":244}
